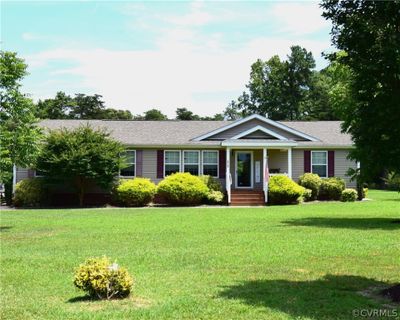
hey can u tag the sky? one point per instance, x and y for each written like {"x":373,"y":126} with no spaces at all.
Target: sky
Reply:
{"x":164,"y":54}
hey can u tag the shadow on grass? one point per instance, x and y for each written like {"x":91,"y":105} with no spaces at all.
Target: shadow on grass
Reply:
{"x":82,"y":299}
{"x":331,"y":297}
{"x":350,"y":223}
{"x":5,"y":228}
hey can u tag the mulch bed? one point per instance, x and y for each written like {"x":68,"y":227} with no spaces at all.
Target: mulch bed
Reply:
{"x":393,"y":293}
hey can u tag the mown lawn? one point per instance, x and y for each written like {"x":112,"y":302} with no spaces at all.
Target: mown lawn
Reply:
{"x":311,"y":261}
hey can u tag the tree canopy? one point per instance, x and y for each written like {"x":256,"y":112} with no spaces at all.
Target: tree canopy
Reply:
{"x":368,"y":32}
{"x":19,"y":135}
{"x":80,"y":156}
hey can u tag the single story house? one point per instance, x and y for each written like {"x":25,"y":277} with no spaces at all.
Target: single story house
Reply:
{"x":242,"y":154}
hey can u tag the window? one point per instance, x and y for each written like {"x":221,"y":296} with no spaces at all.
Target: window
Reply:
{"x":172,"y":162}
{"x":191,"y":162}
{"x":39,"y":173}
{"x":130,"y":170}
{"x":319,"y":163}
{"x":210,"y":163}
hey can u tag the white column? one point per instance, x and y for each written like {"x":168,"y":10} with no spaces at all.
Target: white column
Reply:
{"x":265,"y":163}
{"x":14,"y":181}
{"x":289,"y":159}
{"x":228,"y":174}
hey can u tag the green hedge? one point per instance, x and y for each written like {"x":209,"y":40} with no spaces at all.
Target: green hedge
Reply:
{"x":30,"y":192}
{"x":331,"y":189}
{"x":135,"y":192}
{"x":283,"y":190}
{"x":183,"y":189}
{"x":312,"y":182}
{"x":348,"y":195}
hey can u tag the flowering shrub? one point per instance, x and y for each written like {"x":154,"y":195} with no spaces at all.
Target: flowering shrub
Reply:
{"x":29,"y":193}
{"x":135,"y":192}
{"x":307,"y":195}
{"x":215,"y":197}
{"x":283,"y":190}
{"x":348,"y":195}
{"x":102,"y":279}
{"x":312,"y":182}
{"x":183,"y":189}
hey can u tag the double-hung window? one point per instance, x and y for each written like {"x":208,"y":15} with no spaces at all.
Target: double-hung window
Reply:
{"x":210,"y":163}
{"x":191,"y":162}
{"x":319,"y":163}
{"x":130,"y":158}
{"x":172,"y":162}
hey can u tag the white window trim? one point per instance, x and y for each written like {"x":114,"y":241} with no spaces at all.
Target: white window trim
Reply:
{"x":318,"y":164}
{"x":205,"y":163}
{"x":198,"y":160}
{"x":180,"y":160}
{"x":37,"y":175}
{"x":130,"y":163}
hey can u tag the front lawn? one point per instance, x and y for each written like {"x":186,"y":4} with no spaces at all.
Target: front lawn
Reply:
{"x":312,"y":261}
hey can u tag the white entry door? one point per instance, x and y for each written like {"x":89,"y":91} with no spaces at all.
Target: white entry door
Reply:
{"x":244,"y":169}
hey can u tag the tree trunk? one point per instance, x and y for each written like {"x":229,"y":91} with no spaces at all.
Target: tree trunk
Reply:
{"x":81,"y":190}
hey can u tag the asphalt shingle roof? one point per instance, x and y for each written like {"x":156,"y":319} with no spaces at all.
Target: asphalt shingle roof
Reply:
{"x":172,"y":132}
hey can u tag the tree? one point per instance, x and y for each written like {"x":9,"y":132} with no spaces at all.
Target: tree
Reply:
{"x":80,"y":156}
{"x":185,"y":114}
{"x":87,"y":107}
{"x":278,"y":88}
{"x":115,"y":114}
{"x":57,"y":108}
{"x":368,"y":31}
{"x":19,"y":134}
{"x":154,"y":114}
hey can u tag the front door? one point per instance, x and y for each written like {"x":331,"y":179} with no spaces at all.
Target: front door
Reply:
{"x":244,"y":169}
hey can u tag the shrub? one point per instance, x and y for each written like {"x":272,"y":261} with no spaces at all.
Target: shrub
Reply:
{"x":312,"y":182}
{"x":183,"y":189}
{"x":365,"y":193}
{"x":348,"y":195}
{"x":283,"y":190}
{"x":215,"y":197}
{"x":307,"y":195}
{"x":135,"y":192}
{"x":101,"y":279}
{"x":392,"y":181}
{"x":212,"y":183}
{"x":29,"y":193}
{"x":331,"y":189}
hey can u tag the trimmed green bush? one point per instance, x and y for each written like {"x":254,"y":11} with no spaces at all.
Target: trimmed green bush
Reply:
{"x":101,"y":279}
{"x":348,"y":195}
{"x":212,"y":183}
{"x":29,"y":193}
{"x":307,"y":195}
{"x":331,"y":189}
{"x":135,"y":192}
{"x":215,"y":197}
{"x":312,"y":182}
{"x":283,"y":190}
{"x":183,"y":189}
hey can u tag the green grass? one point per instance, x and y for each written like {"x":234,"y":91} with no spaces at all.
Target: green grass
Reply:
{"x":292,"y":262}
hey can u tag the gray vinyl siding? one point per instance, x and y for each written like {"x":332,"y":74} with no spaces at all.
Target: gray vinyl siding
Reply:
{"x":149,"y":166}
{"x":277,"y":159}
{"x":342,"y":164}
{"x":22,"y":173}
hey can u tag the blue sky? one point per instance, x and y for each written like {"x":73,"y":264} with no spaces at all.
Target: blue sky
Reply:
{"x":166,"y":55}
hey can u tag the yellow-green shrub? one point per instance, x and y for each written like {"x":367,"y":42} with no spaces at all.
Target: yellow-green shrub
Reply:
{"x":283,"y":190}
{"x":212,"y":183}
{"x":348,"y":195}
{"x":182,"y":189}
{"x":29,"y":193}
{"x":135,"y":192}
{"x":215,"y":197}
{"x":312,"y":182}
{"x":307,"y":195}
{"x":331,"y":189}
{"x":102,"y":279}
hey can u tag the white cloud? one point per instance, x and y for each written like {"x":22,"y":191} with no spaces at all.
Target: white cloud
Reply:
{"x":185,"y":64}
{"x":299,"y":18}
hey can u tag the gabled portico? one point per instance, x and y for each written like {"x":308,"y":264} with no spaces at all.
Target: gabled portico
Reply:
{"x":256,"y":147}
